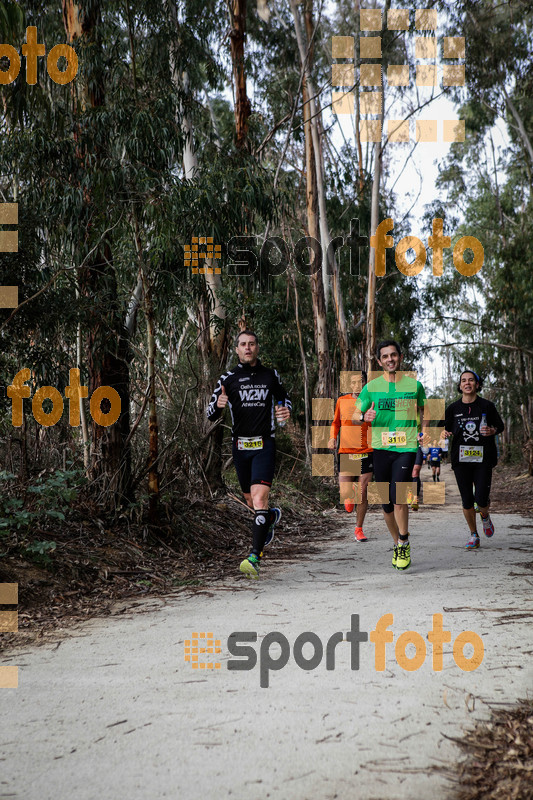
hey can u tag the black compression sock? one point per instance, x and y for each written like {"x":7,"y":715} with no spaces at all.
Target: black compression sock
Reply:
{"x":260,"y":527}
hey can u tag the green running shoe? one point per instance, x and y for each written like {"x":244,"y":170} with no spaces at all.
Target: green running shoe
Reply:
{"x":250,"y":566}
{"x":395,"y":557}
{"x":404,"y":556}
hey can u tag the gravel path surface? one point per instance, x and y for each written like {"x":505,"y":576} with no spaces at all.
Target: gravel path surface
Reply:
{"x":112,"y":710}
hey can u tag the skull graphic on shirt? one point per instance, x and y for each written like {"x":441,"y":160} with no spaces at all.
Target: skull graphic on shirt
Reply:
{"x":470,"y":431}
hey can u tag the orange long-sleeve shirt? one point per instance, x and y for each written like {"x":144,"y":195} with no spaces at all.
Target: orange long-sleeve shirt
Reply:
{"x":354,"y":436}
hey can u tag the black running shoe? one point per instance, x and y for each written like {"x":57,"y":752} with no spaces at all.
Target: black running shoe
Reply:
{"x":275,"y":514}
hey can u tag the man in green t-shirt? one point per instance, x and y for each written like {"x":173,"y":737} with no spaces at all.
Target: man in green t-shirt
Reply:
{"x":391,"y":403}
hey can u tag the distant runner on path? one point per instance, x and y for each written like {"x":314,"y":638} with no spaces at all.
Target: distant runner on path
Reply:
{"x":354,"y":454}
{"x":473,"y":422}
{"x":391,"y":403}
{"x":435,"y":455}
{"x":250,"y":390}
{"x":443,"y":444}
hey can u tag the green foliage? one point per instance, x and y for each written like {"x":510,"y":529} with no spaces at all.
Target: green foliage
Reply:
{"x":46,"y":501}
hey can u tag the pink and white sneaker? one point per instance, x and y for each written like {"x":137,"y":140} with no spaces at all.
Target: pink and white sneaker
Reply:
{"x":488,"y":527}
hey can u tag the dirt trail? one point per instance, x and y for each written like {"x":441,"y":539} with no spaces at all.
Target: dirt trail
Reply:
{"x":114,"y":710}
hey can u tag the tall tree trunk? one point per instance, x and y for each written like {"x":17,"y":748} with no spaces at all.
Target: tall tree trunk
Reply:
{"x":358,"y":112}
{"x":242,"y":103}
{"x":324,"y":383}
{"x":107,"y":365}
{"x":153,"y":424}
{"x":212,"y":338}
{"x":371,"y":295}
{"x":371,"y":361}
{"x":83,"y":416}
{"x":308,"y":447}
{"x":329,"y":261}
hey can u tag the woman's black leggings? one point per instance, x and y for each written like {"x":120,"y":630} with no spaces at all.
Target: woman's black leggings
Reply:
{"x":477,"y":475}
{"x":392,"y":468}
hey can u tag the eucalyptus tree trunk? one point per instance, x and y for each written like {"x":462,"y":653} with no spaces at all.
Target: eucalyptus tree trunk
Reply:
{"x":107,"y":364}
{"x":371,"y":293}
{"x":237,"y":37}
{"x":324,"y":385}
{"x":330,"y":260}
{"x":151,"y":346}
{"x":324,"y":382}
{"x":314,"y":114}
{"x":210,"y":301}
{"x":371,"y":361}
{"x":374,"y":222}
{"x":210,"y":312}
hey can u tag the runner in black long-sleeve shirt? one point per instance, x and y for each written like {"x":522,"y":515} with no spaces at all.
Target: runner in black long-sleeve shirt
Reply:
{"x":250,"y":391}
{"x":473,"y":422}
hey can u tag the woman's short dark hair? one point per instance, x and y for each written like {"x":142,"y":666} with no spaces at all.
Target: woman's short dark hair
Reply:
{"x":248,"y":332}
{"x":388,"y":343}
{"x":476,"y":376}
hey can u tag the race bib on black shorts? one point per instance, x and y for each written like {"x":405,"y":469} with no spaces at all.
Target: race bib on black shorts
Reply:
{"x":250,"y":443}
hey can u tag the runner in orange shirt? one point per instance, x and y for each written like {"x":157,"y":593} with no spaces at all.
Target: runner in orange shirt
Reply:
{"x":354,"y":454}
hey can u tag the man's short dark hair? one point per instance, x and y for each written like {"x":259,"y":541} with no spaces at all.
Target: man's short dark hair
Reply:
{"x":248,"y":332}
{"x":388,"y":343}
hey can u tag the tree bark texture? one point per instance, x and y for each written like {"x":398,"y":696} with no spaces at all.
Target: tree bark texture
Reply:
{"x":107,"y":342}
{"x":242,"y":103}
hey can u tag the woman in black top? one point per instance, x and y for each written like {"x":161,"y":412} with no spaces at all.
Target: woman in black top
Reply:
{"x":473,"y":422}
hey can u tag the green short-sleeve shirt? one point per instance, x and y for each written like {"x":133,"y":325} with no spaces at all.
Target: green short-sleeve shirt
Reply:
{"x":395,"y":403}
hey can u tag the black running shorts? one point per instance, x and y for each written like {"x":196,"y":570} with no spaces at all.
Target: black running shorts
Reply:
{"x":255,"y":466}
{"x":367,"y":465}
{"x":393,"y":468}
